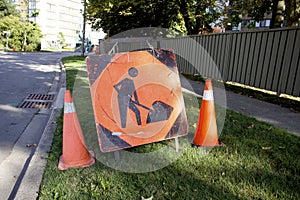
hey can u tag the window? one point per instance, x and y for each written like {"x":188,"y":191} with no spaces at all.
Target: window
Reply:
{"x":264,"y":23}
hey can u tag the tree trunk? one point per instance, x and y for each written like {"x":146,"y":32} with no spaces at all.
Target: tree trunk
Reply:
{"x":184,"y":11}
{"x":24,"y":41}
{"x":277,"y":14}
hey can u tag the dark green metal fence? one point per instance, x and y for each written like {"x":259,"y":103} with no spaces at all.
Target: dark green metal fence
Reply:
{"x":264,"y":59}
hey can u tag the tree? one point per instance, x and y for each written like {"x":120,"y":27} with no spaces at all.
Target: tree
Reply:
{"x":198,"y":16}
{"x":61,"y":39}
{"x":16,"y":38}
{"x":24,"y":35}
{"x":7,"y":8}
{"x":255,"y":9}
{"x":117,"y":16}
{"x":282,"y":10}
{"x":189,"y":16}
{"x":292,"y":12}
{"x":33,"y":41}
{"x":277,"y":14}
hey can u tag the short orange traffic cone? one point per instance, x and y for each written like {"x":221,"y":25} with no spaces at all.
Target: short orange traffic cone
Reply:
{"x":74,"y":152}
{"x":207,"y":133}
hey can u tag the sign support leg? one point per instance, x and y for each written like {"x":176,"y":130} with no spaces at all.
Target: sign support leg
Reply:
{"x":117,"y":156}
{"x":177,"y":144}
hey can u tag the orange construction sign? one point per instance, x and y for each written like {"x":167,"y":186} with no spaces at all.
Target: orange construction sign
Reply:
{"x":137,"y":98}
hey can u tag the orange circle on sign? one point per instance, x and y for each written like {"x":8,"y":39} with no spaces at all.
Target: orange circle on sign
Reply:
{"x":153,"y":82}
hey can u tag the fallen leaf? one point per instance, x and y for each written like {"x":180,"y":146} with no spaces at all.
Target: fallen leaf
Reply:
{"x":31,"y":145}
{"x":293,"y":110}
{"x":236,"y":151}
{"x":150,"y":198}
{"x":251,"y":126}
{"x":266,"y":148}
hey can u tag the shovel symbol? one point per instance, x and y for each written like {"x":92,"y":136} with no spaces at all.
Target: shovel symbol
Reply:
{"x":160,"y":111}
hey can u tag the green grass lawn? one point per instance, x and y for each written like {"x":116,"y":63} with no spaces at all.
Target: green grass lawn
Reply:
{"x":258,"y":161}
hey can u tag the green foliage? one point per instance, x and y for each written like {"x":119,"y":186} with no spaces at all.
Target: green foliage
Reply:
{"x":19,"y":31}
{"x":33,"y":42}
{"x":24,"y":35}
{"x":61,"y":39}
{"x":292,"y":13}
{"x":255,"y":9}
{"x":7,"y":8}
{"x":199,"y":15}
{"x":118,"y":16}
{"x":12,"y":23}
{"x":188,"y":16}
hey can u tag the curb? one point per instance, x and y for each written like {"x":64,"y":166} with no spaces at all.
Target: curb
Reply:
{"x":30,"y":185}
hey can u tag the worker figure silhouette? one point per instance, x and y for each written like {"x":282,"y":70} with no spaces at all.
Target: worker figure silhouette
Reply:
{"x":126,"y":90}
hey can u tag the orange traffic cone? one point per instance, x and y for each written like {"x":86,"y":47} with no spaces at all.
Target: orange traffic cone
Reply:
{"x":207,"y":133}
{"x":74,"y":152}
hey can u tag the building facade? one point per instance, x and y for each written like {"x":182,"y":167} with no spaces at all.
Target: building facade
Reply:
{"x":61,"y":22}
{"x":58,"y":20}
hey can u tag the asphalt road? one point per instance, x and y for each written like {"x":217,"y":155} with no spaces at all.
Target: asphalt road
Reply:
{"x":22,"y":74}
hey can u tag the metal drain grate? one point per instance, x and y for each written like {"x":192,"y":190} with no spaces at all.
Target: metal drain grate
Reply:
{"x":32,"y":104}
{"x":46,"y":97}
{"x":40,"y":101}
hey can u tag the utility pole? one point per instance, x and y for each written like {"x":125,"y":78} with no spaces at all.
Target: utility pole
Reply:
{"x":26,"y":23}
{"x":83,"y":28}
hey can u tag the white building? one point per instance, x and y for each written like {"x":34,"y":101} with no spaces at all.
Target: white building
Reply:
{"x":56,"y":18}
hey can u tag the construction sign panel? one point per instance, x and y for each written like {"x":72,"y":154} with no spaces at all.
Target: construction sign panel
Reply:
{"x":137,"y":98}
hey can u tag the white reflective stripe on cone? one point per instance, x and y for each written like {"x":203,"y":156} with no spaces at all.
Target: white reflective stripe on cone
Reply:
{"x":69,"y":107}
{"x":208,"y":95}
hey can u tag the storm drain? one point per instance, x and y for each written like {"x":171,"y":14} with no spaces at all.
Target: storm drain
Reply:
{"x":40,"y":101}
{"x":44,"y":97}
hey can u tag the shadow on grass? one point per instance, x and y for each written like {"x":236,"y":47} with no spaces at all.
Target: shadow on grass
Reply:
{"x":242,"y":169}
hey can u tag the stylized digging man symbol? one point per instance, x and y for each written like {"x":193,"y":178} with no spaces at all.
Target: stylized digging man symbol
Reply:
{"x":126,"y":89}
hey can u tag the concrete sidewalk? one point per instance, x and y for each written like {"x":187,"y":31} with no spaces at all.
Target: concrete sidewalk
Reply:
{"x":276,"y":115}
{"x":28,"y":162}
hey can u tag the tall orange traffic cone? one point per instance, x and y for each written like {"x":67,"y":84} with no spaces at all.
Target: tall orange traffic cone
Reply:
{"x":207,"y":133}
{"x":74,"y":152}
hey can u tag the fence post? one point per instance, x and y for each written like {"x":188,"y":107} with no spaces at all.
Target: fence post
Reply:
{"x":228,"y":54}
